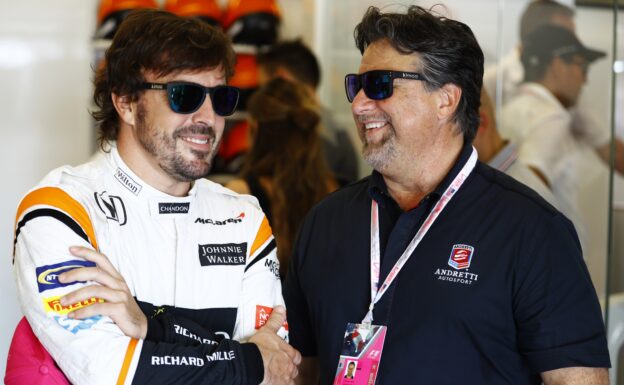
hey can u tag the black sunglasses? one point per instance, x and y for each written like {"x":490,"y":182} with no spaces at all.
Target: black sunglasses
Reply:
{"x":186,"y":98}
{"x":377,"y":84}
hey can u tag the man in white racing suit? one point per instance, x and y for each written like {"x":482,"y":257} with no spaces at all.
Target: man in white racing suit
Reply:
{"x":132,"y":269}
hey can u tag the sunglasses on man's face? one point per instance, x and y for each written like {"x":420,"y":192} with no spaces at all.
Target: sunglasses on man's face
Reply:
{"x":186,"y":98}
{"x":377,"y":84}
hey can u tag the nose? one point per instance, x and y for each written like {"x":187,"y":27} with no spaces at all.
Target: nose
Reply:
{"x":206,"y":114}
{"x":361,"y":103}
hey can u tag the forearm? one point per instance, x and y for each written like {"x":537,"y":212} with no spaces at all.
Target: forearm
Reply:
{"x":576,"y":376}
{"x":226,"y":363}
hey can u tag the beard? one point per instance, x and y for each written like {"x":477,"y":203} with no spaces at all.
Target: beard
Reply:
{"x":379,"y":154}
{"x":163,"y":147}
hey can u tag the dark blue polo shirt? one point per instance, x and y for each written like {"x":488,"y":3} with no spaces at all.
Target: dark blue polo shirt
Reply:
{"x":525,"y":303}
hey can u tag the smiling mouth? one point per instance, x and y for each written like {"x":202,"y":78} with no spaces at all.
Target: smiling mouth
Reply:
{"x":373,"y":125}
{"x":195,"y":140}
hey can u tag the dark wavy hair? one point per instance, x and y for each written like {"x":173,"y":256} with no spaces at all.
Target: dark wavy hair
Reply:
{"x":286,"y":148}
{"x":448,"y":50}
{"x":155,"y":41}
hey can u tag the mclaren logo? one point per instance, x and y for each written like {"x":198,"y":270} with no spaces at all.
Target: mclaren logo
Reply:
{"x":209,"y":221}
{"x":111,"y":206}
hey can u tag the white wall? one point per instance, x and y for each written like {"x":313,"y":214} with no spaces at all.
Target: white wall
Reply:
{"x":45,"y":76}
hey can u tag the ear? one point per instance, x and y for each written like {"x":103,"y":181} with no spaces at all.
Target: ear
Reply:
{"x":125,"y":108}
{"x":449,"y":96}
{"x":556,"y":69}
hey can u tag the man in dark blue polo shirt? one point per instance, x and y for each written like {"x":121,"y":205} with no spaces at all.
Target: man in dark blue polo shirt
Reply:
{"x":477,"y":279}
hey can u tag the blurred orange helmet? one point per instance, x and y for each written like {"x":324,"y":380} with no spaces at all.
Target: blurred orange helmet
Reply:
{"x":206,"y":10}
{"x":245,"y":72}
{"x":112,"y":12}
{"x":245,"y":77}
{"x":252,"y":22}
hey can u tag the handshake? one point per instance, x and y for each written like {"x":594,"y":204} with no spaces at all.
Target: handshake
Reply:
{"x":280,"y":360}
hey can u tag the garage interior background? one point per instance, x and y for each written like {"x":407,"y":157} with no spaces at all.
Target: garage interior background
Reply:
{"x":46,"y":55}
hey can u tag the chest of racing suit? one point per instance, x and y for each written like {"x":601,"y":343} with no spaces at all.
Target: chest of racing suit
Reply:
{"x":202,"y":268}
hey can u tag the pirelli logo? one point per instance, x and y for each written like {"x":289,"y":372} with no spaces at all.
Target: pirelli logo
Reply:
{"x":53,"y":304}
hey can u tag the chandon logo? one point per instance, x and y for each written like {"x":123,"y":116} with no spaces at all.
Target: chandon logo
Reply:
{"x":173,"y":208}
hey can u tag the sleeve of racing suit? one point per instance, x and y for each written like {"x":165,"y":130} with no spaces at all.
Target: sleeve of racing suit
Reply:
{"x":262,"y":289}
{"x":94,"y":350}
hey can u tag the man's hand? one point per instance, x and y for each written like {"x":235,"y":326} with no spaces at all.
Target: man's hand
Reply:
{"x":118,"y":303}
{"x":280,"y":359}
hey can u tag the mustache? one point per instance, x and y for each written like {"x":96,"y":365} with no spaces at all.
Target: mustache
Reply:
{"x":196,"y":129}
{"x":368,"y":118}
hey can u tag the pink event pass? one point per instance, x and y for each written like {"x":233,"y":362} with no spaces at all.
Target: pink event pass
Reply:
{"x":360,"y":356}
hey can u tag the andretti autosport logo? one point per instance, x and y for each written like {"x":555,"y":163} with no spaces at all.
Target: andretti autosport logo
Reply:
{"x":461,"y":255}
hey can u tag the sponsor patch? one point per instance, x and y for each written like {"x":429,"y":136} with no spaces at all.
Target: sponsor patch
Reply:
{"x":210,"y":221}
{"x":262,"y":315}
{"x":461,"y":255}
{"x":181,"y":330}
{"x":111,"y":206}
{"x":273,"y":267}
{"x":47,"y":276}
{"x":75,"y":325}
{"x":53,"y":304}
{"x":173,"y":207}
{"x":127,"y":181}
{"x":226,"y":254}
{"x":191,"y":360}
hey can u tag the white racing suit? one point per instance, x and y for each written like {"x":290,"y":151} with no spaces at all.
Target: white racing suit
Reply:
{"x":203,"y":269}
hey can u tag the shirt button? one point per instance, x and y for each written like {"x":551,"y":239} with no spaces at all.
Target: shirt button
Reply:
{"x":43,"y":369}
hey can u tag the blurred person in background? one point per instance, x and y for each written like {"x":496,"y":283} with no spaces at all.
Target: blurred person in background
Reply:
{"x":585,"y":125}
{"x":502,"y":154}
{"x":133,"y":268}
{"x":293,"y":60}
{"x":284,"y":167}
{"x":555,"y":66}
